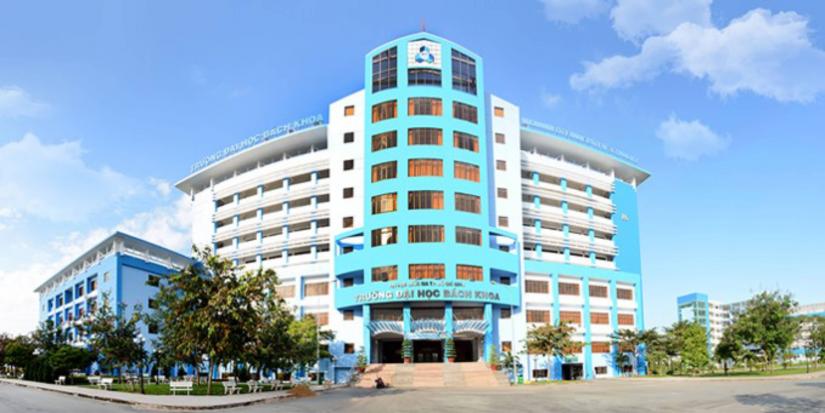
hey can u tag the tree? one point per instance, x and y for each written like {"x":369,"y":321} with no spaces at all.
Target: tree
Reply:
{"x":636,"y":342}
{"x":268,"y":349}
{"x":67,"y":358}
{"x":729,"y":349}
{"x":306,"y":337}
{"x":5,"y":339}
{"x":48,"y":337}
{"x":767,"y":325}
{"x":549,"y":339}
{"x":116,"y":337}
{"x":813,"y":339}
{"x":19,"y":353}
{"x":694,"y":352}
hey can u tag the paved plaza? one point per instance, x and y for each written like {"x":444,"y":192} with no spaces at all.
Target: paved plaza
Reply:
{"x":637,"y":395}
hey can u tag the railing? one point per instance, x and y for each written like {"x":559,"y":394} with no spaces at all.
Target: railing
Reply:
{"x":427,"y":326}
{"x":470,"y":326}
{"x":386,"y":326}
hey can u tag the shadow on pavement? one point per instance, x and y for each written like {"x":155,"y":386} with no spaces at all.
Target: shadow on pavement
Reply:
{"x":774,"y":403}
{"x":820,"y":384}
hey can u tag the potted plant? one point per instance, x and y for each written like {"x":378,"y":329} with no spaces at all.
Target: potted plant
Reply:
{"x":449,"y":350}
{"x":361,"y":362}
{"x":407,"y":350}
{"x":493,"y":357}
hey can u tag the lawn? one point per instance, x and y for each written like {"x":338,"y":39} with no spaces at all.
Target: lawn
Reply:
{"x":163,"y":389}
{"x":778,"y":371}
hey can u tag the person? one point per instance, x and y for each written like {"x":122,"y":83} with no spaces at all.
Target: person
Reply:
{"x":379,"y":383}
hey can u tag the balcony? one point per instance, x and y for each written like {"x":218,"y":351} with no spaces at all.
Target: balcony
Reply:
{"x":378,"y":327}
{"x":470,"y":326}
{"x":575,"y":196}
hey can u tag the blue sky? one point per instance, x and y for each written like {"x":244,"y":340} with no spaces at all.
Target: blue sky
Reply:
{"x":104,"y":104}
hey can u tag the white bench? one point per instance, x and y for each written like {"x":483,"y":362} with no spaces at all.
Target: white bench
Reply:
{"x":93,"y":380}
{"x":254,"y":386}
{"x":231,"y":387}
{"x":176,"y":386}
{"x":105,"y":383}
{"x":60,"y":380}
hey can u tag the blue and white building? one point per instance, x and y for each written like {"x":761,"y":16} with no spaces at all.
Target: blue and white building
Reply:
{"x":124,"y":269}
{"x":423,"y":207}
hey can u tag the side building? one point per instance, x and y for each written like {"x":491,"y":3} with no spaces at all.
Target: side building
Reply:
{"x":426,"y":209}
{"x":122,"y":269}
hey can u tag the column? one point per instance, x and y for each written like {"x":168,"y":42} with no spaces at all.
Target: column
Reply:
{"x":563,"y":183}
{"x":564,"y":207}
{"x":259,"y":236}
{"x":236,"y":219}
{"x":588,"y":351}
{"x":614,"y":323}
{"x":258,"y":260}
{"x":407,"y":313}
{"x":366,"y":317}
{"x":260,"y":191}
{"x":535,"y":178}
{"x":285,"y":185}
{"x":236,"y":198}
{"x":260,"y":214}
{"x":555,"y":369}
{"x":448,"y":322}
{"x":589,"y":190}
{"x":488,"y":332}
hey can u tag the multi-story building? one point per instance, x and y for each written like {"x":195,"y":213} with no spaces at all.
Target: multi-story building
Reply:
{"x":427,"y":209}
{"x":124,"y":270}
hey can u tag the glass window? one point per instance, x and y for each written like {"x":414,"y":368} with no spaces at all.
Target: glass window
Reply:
{"x":501,"y":165}
{"x":425,"y":233}
{"x":349,"y":137}
{"x":349,"y":315}
{"x":384,"y":140}
{"x":600,"y":347}
{"x":152,"y":280}
{"x":464,"y":235}
{"x":466,"y":112}
{"x":506,"y":346}
{"x":425,"y":200}
{"x":151,"y":303}
{"x":384,"y":236}
{"x":572,"y":317}
{"x":349,"y":164}
{"x":599,"y":318}
{"x":538,"y":316}
{"x":464,"y":72}
{"x":498,"y":112}
{"x":424,"y":77}
{"x":539,"y":373}
{"x":466,"y":141}
{"x":503,"y":221}
{"x":349,"y":348}
{"x":385,"y":170}
{"x":385,"y":70}
{"x":537,"y":286}
{"x":463,"y":170}
{"x":424,"y":106}
{"x":348,"y":192}
{"x":384,"y":203}
{"x":469,"y":272}
{"x":500,"y":138}
{"x":467,"y":203}
{"x":385,"y":273}
{"x":505,"y":314}
{"x":598,"y":291}
{"x":424,"y":167}
{"x":426,"y":271}
{"x":348,"y":222}
{"x":348,"y":282}
{"x":568,"y":289}
{"x":349,"y":110}
{"x":321,"y":319}
{"x":315,"y":289}
{"x":384,"y":110}
{"x":626,"y":319}
{"x":424,"y":136}
{"x":501,"y":193}
{"x":624,"y":293}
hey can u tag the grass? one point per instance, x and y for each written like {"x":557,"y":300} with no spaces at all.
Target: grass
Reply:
{"x":778,"y":371}
{"x":163,"y":389}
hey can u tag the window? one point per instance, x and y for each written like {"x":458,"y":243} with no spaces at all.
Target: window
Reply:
{"x":106,"y":276}
{"x":424,"y":136}
{"x":384,"y":203}
{"x":425,"y":233}
{"x":425,"y":200}
{"x":599,"y":318}
{"x":425,"y":167}
{"x":384,"y":110}
{"x":349,"y":110}
{"x":464,"y":235}
{"x":321,"y":319}
{"x":424,"y":106}
{"x":348,"y":222}
{"x":386,"y":273}
{"x":601,"y":369}
{"x":384,"y":140}
{"x":626,"y":320}
{"x":538,"y":316}
{"x":537,"y":286}
{"x":384,"y":236}
{"x":501,"y":193}
{"x":466,"y":112}
{"x":598,"y":291}
{"x":349,"y":164}
{"x":504,"y":280}
{"x":500,"y":138}
{"x":316,"y":289}
{"x":573,"y":317}
{"x":498,"y":112}
{"x":385,"y":70}
{"x":624,"y":293}
{"x":466,"y":141}
{"x":503,"y":222}
{"x":348,"y":192}
{"x":539,"y":373}
{"x":501,"y":165}
{"x":467,"y":203}
{"x":462,"y":170}
{"x":151,"y":280}
{"x":151,"y":303}
{"x":349,"y":348}
{"x":575,"y":347}
{"x":504,"y":314}
{"x":153,"y":328}
{"x":424,"y":77}
{"x":92,"y":284}
{"x":464,"y":72}
{"x":349,"y":315}
{"x":568,"y":289}
{"x":469,"y":272}
{"x":348,"y":282}
{"x":349,"y":137}
{"x":385,"y":170}
{"x":426,"y":271}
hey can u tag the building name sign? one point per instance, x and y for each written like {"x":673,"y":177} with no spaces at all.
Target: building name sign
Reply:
{"x":262,"y":137}
{"x":568,"y":134}
{"x":429,"y":291}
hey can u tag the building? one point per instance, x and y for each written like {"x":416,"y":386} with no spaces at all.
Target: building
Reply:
{"x":122,"y":269}
{"x":425,"y":208}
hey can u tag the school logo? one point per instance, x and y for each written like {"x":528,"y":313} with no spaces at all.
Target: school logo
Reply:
{"x":424,"y":54}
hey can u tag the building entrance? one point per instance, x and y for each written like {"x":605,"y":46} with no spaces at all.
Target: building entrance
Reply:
{"x":389,"y":351}
{"x":427,"y":351}
{"x":572,"y":371}
{"x":465,"y":350}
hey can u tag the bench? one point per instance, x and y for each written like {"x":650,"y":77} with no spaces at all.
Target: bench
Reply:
{"x":105,"y":383}
{"x":176,"y":386}
{"x":254,"y":386}
{"x":93,"y":380}
{"x":60,"y":380}
{"x":231,"y":387}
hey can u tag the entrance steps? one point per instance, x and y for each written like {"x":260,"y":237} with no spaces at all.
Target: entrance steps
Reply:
{"x":426,"y":375}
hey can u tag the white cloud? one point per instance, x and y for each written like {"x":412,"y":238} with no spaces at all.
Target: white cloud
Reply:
{"x":163,"y":186}
{"x":54,"y":182}
{"x":573,"y":11}
{"x":636,"y":19}
{"x":764,"y":53}
{"x":16,"y":102}
{"x":689,"y":140}
{"x":550,"y":100}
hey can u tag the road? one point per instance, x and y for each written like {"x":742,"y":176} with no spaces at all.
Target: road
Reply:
{"x":654,"y":395}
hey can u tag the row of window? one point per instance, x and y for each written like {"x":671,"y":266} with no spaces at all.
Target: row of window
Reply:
{"x":422,"y":167}
{"x":575,"y":317}
{"x":423,"y":106}
{"x":427,"y":272}
{"x":424,"y":233}
{"x":424,"y":136}
{"x":310,"y":290}
{"x":543,"y":287}
{"x":385,"y":72}
{"x":425,"y":200}
{"x":70,"y":294}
